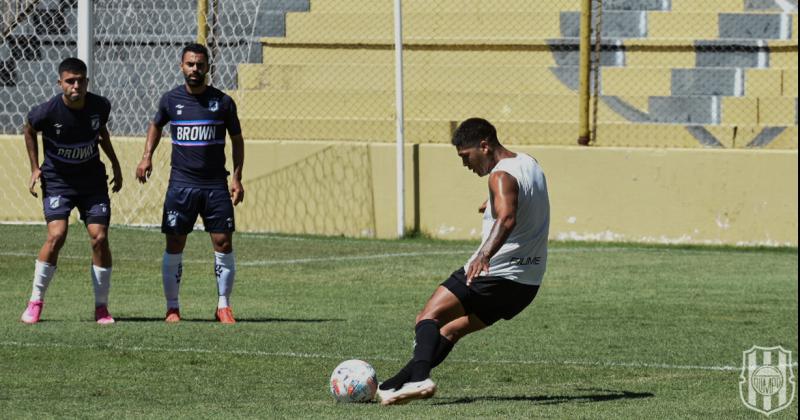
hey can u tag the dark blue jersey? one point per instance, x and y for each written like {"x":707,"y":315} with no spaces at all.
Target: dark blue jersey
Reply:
{"x":71,"y":145}
{"x":198,"y":125}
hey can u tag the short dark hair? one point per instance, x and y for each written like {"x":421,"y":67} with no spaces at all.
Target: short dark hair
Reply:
{"x":72,"y":65}
{"x":195,"y":48}
{"x":470,"y":132}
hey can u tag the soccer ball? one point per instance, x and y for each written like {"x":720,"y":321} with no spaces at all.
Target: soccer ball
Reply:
{"x":353,"y":381}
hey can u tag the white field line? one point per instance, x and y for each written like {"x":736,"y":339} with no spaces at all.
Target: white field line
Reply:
{"x":300,"y":355}
{"x":465,"y":252}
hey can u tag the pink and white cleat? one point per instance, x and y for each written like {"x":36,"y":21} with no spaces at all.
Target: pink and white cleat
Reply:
{"x":33,"y":312}
{"x":102,"y":316}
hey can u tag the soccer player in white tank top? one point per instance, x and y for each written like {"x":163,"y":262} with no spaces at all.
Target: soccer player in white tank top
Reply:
{"x":504,"y":274}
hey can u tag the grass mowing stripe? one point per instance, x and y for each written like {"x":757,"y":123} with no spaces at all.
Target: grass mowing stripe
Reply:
{"x":722,"y":368}
{"x":570,"y":250}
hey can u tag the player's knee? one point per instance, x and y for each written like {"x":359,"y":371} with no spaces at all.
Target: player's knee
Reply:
{"x":223,"y":245}
{"x":175,"y":244}
{"x":55,"y":240}
{"x":423,"y":316}
{"x":99,"y":240}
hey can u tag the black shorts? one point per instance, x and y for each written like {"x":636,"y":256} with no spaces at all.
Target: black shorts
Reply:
{"x":93,"y":208}
{"x":490,"y":298}
{"x":182,"y":205}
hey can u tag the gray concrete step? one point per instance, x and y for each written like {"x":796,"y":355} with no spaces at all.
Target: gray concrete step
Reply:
{"x":566,"y":52}
{"x":684,"y":109}
{"x":732,"y":54}
{"x":707,"y":81}
{"x":616,"y":24}
{"x":635,"y":4}
{"x":755,"y":25}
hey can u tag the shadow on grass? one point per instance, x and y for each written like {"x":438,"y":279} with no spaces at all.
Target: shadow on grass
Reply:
{"x":238,"y":320}
{"x":581,"y":396}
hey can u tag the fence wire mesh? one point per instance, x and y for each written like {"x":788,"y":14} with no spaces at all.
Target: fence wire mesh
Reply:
{"x":668,"y":73}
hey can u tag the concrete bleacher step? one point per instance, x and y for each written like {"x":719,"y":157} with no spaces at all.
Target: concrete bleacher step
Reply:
{"x":666,"y":81}
{"x":561,"y":52}
{"x":360,"y":28}
{"x":741,"y":53}
{"x":636,"y":4}
{"x":616,"y":24}
{"x":442,"y":6}
{"x":715,"y":6}
{"x":771,"y":5}
{"x":421,"y":105}
{"x":755,"y":26}
{"x":521,"y":132}
{"x":370,"y":77}
{"x":780,"y":111}
{"x":685,"y":109}
{"x":707,"y":82}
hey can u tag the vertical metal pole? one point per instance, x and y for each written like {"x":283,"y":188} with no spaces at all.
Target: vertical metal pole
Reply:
{"x":86,"y":34}
{"x":400,"y":135}
{"x":202,"y":21}
{"x":584,"y":70}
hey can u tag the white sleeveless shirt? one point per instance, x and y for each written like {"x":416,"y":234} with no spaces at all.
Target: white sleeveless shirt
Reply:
{"x":523,"y":257}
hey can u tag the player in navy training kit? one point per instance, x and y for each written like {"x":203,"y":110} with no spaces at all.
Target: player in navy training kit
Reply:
{"x":72,"y":124}
{"x":199,"y":115}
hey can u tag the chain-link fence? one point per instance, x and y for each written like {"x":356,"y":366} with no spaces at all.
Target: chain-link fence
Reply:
{"x":694,"y":73}
{"x":673,"y":73}
{"x":727,"y":63}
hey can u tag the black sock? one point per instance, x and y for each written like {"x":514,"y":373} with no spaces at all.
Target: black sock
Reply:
{"x":396,"y":381}
{"x":427,"y":340}
{"x":442,"y":351}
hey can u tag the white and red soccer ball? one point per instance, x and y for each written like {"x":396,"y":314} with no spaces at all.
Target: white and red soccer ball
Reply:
{"x":353,"y":381}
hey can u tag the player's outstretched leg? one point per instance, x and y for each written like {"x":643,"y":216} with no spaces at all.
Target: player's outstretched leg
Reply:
{"x":442,"y":307}
{"x":394,"y":383}
{"x":419,"y":384}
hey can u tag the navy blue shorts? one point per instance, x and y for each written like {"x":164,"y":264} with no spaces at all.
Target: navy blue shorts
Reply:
{"x":490,"y":298}
{"x":93,"y":208}
{"x":182,"y":205}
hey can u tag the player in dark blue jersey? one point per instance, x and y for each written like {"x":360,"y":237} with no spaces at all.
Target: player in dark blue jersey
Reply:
{"x":73,"y":125}
{"x":199,"y":116}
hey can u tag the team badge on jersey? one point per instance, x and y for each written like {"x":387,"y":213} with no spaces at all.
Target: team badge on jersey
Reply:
{"x":55,"y":202}
{"x":767,"y":382}
{"x":95,"y":122}
{"x":213,"y":105}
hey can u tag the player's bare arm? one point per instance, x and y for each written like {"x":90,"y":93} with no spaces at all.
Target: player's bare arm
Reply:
{"x":108,"y":149}
{"x":503,"y":192}
{"x":237,"y":190}
{"x":145,"y":167}
{"x":32,"y":144}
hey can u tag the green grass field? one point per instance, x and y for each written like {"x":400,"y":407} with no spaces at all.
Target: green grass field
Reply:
{"x":617,"y":331}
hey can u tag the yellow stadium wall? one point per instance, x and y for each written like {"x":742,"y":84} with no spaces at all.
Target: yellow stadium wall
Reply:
{"x":335,"y":188}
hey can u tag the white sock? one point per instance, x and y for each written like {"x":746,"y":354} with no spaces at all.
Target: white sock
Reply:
{"x":101,"y":281}
{"x":171,"y":271}
{"x":42,"y":276}
{"x":225,"y":269}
